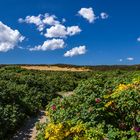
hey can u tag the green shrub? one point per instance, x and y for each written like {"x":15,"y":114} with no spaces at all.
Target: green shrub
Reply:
{"x":106,"y":112}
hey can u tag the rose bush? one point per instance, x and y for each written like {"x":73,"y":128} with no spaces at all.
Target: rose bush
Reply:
{"x":24,"y":92}
{"x":106,"y":112}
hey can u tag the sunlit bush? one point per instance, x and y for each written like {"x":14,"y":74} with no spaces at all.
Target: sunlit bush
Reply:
{"x":106,"y":113}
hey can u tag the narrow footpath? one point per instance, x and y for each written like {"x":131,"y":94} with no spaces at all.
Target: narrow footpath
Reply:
{"x":28,"y":131}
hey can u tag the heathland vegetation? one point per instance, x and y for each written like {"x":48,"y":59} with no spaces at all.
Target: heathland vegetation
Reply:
{"x":103,"y":106}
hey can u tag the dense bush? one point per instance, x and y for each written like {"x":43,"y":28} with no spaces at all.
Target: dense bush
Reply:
{"x":94,"y":104}
{"x":24,"y":92}
{"x":105,"y":107}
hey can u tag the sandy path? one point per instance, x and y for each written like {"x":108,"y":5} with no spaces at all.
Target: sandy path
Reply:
{"x":28,"y":131}
{"x":65,"y":94}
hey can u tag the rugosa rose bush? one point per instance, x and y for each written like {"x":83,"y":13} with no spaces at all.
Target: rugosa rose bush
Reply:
{"x":106,"y":113}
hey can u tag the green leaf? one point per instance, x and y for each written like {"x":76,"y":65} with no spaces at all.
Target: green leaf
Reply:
{"x":133,"y":138}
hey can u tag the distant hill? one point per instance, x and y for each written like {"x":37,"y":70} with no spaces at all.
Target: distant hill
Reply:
{"x":70,"y":67}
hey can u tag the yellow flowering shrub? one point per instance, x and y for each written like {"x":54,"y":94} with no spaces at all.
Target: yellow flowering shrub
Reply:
{"x":121,"y":87}
{"x":54,"y":131}
{"x":124,"y":87}
{"x":61,"y":131}
{"x":93,"y":115}
{"x":118,"y":91}
{"x":108,"y":104}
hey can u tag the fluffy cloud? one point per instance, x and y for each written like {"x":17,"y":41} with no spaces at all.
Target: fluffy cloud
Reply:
{"x":73,"y":30}
{"x":60,"y":31}
{"x":56,"y":31}
{"x":120,"y":60}
{"x":33,"y":20}
{"x":9,"y":38}
{"x":104,"y":15}
{"x":88,"y":14}
{"x":138,"y":39}
{"x":130,"y":58}
{"x":76,"y":51}
{"x":50,"y":20}
{"x":50,"y":45}
{"x":40,"y":21}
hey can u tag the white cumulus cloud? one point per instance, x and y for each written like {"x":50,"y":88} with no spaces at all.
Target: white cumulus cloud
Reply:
{"x":104,"y":15}
{"x":50,"y":45}
{"x":88,"y":14}
{"x":73,"y":30}
{"x":54,"y":28}
{"x":76,"y":51}
{"x":138,"y":39}
{"x":60,"y":31}
{"x":40,"y":21}
{"x":56,"y":31}
{"x":120,"y":60}
{"x":50,"y":19}
{"x":33,"y":20}
{"x":9,"y":38}
{"x":130,"y":58}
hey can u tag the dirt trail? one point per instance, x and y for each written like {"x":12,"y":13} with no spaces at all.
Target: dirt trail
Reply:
{"x":65,"y":94}
{"x":28,"y":131}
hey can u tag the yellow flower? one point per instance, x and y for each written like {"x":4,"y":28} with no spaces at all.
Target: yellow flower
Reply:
{"x":47,"y":135}
{"x":59,"y":131}
{"x":108,"y":104}
{"x":78,"y":128}
{"x":121,"y":87}
{"x":53,"y":138}
{"x":106,"y":96}
{"x":118,"y":90}
{"x":46,"y":113}
{"x":67,"y":133}
{"x":54,"y":131}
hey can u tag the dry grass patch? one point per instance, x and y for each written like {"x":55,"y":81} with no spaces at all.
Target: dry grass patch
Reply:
{"x":55,"y":68}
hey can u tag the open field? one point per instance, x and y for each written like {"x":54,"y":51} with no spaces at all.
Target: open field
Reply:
{"x":55,"y":68}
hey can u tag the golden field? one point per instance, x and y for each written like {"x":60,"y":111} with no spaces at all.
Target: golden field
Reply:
{"x":55,"y":68}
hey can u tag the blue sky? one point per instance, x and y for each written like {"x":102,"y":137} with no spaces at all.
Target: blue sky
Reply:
{"x":84,"y":37}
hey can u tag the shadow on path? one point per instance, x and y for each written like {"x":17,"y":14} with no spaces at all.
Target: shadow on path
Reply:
{"x":28,"y":131}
